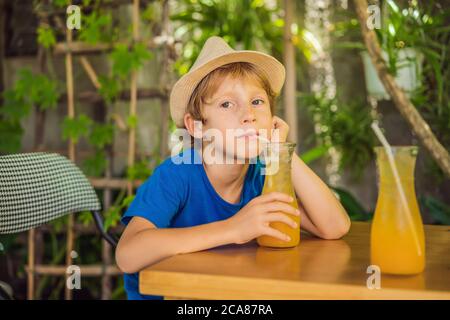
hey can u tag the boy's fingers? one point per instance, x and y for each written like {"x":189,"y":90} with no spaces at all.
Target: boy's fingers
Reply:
{"x":281,"y":217}
{"x":276,"y":196}
{"x":276,"y":234}
{"x":278,"y":206}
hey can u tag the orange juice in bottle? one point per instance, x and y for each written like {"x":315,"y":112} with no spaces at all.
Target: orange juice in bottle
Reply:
{"x":397,"y":236}
{"x":278,"y":178}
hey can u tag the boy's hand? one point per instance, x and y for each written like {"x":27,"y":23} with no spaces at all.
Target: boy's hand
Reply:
{"x":253,"y":220}
{"x":283,"y":129}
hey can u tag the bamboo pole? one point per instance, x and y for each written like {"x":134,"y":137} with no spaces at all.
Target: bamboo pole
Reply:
{"x":409,"y":112}
{"x":106,"y":247}
{"x":31,"y":266}
{"x":83,"y":153}
{"x":93,"y":97}
{"x":290,"y":110}
{"x":83,"y":48}
{"x":94,"y":270}
{"x":133,"y":97}
{"x":40,"y":115}
{"x":144,"y":93}
{"x":82,"y":229}
{"x":113,"y":183}
{"x":90,"y":71}
{"x":101,"y":115}
{"x":37,"y":250}
{"x":164,"y":80}
{"x":35,"y":241}
{"x":71,"y":146}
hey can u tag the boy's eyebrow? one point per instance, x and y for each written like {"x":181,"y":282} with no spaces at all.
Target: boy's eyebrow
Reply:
{"x":229,"y":93}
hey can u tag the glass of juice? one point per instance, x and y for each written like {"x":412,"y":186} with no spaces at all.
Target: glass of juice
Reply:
{"x":397,"y":238}
{"x":278,"y":157}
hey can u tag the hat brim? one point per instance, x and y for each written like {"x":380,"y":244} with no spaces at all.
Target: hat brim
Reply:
{"x":183,"y":88}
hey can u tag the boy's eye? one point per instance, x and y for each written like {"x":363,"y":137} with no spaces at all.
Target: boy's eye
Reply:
{"x":226,"y":104}
{"x":257,"y":101}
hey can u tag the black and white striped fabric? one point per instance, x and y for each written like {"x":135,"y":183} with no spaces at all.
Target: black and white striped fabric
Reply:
{"x":36,"y":188}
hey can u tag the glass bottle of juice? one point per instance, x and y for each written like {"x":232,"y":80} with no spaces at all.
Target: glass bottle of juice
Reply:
{"x":278,"y":178}
{"x":397,"y":236}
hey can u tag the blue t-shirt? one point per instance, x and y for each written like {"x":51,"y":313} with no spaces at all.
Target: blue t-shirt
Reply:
{"x":181,"y":195}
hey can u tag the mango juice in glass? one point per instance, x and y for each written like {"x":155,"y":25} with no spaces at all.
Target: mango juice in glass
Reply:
{"x":397,"y":236}
{"x":278,"y":178}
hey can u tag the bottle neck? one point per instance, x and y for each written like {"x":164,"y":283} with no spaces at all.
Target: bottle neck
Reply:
{"x":404,"y":161}
{"x":278,"y":159}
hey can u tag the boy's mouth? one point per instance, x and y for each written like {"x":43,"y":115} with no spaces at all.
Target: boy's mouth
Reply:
{"x":248,"y":134}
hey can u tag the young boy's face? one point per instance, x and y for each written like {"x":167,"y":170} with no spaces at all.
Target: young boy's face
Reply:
{"x":237,"y":108}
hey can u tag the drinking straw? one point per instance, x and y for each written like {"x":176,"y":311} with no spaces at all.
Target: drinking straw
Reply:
{"x":393,"y":166}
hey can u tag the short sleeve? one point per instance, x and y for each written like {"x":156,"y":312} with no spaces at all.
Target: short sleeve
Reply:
{"x":159,"y":198}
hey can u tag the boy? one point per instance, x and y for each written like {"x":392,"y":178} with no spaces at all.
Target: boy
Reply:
{"x":190,"y":207}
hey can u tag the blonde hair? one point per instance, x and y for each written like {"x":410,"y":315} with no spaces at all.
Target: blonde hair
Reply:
{"x":208,"y":85}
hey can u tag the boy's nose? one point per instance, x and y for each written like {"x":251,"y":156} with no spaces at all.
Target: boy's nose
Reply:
{"x":249,"y":115}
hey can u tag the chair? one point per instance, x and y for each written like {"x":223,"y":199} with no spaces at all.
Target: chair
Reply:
{"x":36,"y":188}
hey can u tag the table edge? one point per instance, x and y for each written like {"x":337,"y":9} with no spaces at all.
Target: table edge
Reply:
{"x":206,"y":286}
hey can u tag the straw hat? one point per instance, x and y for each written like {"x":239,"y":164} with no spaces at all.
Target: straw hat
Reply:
{"x":214,"y":54}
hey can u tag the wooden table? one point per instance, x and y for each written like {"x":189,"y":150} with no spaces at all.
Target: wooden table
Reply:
{"x":316,"y":269}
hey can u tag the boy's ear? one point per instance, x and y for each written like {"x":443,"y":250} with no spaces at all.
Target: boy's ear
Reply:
{"x":194,"y":127}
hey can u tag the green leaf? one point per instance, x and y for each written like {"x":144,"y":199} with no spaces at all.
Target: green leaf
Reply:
{"x":139,"y":171}
{"x":127,"y":201}
{"x":140,"y":54}
{"x":95,"y":165}
{"x":59,"y":223}
{"x":85,"y":218}
{"x":96,"y":28}
{"x":346,"y":126}
{"x":76,"y":128}
{"x":101,"y":135}
{"x":256,"y":26}
{"x":25,"y":84}
{"x":109,"y":88}
{"x":36,"y":89}
{"x":61,"y":3}
{"x":349,"y":45}
{"x":14,"y":107}
{"x":132,"y":122}
{"x":121,"y":59}
{"x":11,"y":136}
{"x":46,"y":37}
{"x":438,"y":210}
{"x":125,"y":60}
{"x":48,"y":95}
{"x":314,"y":154}
{"x":112,"y":217}
{"x":149,"y":13}
{"x":7,"y":242}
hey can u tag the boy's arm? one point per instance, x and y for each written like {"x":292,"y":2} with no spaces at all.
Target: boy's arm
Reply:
{"x":321,"y":212}
{"x":141,"y":243}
